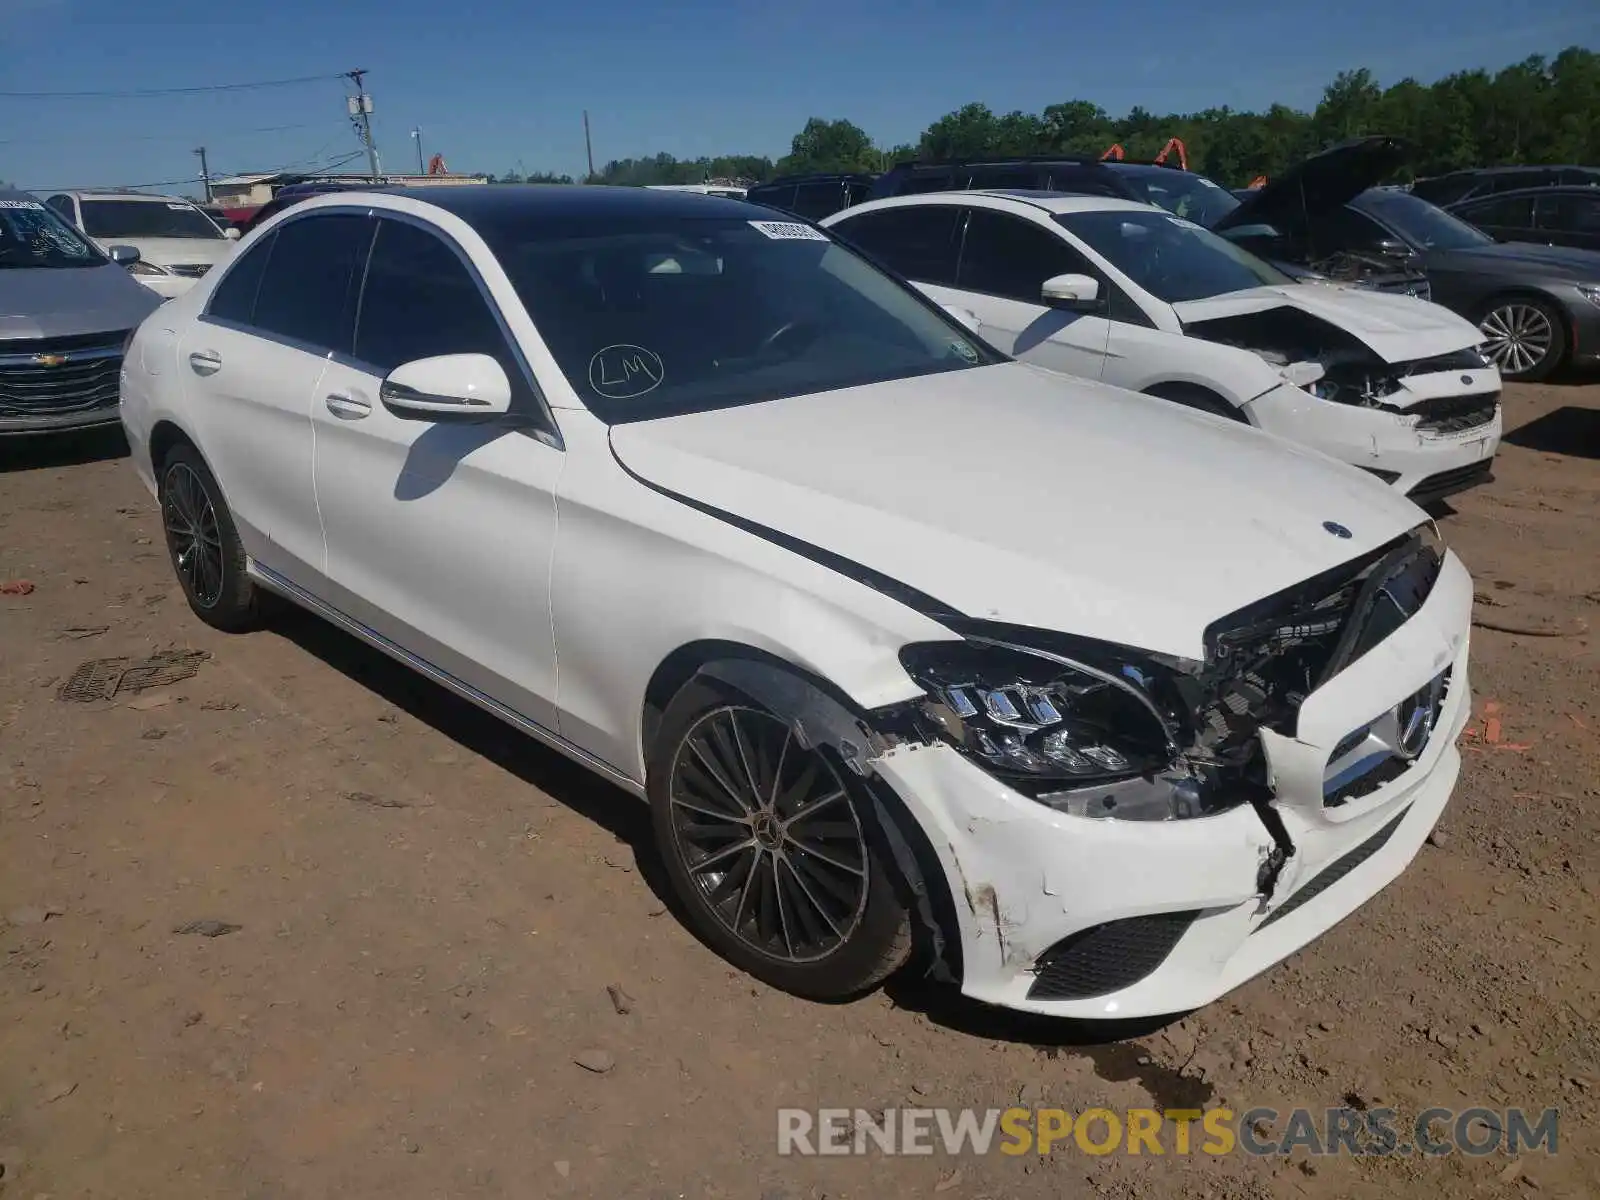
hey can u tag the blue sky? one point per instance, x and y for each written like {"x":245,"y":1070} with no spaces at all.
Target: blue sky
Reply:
{"x":499,"y":85}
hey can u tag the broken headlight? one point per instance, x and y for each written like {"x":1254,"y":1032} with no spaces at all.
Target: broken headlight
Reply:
{"x":1094,"y":740}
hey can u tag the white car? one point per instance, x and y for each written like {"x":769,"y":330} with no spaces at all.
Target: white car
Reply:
{"x":1107,"y":704}
{"x":177,"y":243}
{"x":1130,"y":294}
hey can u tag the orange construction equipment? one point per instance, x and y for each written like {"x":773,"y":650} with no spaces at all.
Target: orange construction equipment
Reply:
{"x":436,"y":165}
{"x":1115,"y":153}
{"x":1257,"y":182}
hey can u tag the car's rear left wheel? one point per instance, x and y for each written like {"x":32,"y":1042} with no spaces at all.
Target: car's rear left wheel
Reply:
{"x":771,"y":848}
{"x":204,"y":545}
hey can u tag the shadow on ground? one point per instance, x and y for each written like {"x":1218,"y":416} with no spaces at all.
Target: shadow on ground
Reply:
{"x":42,"y":452}
{"x":1571,"y":430}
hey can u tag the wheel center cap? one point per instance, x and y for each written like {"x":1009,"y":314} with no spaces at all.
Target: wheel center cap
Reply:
{"x":767,"y":830}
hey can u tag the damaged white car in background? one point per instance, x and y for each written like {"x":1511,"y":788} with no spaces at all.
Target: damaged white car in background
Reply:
{"x":1102,"y":704}
{"x":1129,"y":294}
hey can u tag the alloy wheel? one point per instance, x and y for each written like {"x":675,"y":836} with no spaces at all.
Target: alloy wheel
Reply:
{"x":1517,"y":337}
{"x":193,"y":536}
{"x":765,"y":828}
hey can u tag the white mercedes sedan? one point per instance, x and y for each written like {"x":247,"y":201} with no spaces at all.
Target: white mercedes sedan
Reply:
{"x":1096,"y":705}
{"x":1129,"y":294}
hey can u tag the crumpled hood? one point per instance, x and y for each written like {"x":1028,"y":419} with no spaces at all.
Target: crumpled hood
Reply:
{"x":40,"y":302}
{"x":1014,"y":494}
{"x":1396,"y":328}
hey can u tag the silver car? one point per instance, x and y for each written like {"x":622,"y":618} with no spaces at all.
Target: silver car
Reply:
{"x":66,"y":311}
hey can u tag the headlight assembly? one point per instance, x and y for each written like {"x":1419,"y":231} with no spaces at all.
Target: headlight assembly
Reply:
{"x":1590,"y":292}
{"x":1087,"y":739}
{"x":146,"y":268}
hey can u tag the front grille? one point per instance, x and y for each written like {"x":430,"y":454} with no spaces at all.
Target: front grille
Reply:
{"x":1107,"y":958}
{"x":189,"y":270}
{"x":32,"y":384}
{"x":1333,"y":873}
{"x":1455,"y":414}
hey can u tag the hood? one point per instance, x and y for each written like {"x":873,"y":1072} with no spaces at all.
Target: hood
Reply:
{"x":42,"y":302}
{"x":1319,"y":184}
{"x":1013,"y":494}
{"x":165,"y":252}
{"x":1395,"y":328}
{"x":1560,"y":262}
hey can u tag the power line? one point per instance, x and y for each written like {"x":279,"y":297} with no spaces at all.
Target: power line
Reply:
{"x":161,"y":137}
{"x":141,"y":93}
{"x":331,"y":165}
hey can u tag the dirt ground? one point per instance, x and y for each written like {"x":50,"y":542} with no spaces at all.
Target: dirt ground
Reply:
{"x":430,"y":910}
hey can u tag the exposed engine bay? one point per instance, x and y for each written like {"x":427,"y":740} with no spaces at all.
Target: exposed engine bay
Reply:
{"x":1335,"y":365}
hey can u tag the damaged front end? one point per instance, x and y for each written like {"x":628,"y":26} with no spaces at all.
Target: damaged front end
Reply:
{"x":1109,"y":732}
{"x":1334,"y":365}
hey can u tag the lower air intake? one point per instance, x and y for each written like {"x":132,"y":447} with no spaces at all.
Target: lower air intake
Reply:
{"x":1107,"y":958}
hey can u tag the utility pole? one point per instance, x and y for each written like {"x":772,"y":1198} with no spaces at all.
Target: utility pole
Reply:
{"x":360,"y":106}
{"x":588,"y":146}
{"x":205,"y":173}
{"x":417,"y":133}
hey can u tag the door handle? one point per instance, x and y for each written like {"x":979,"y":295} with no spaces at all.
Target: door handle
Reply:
{"x":348,"y":408}
{"x":205,"y":362}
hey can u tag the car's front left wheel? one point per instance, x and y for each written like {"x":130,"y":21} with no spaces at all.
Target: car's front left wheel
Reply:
{"x":772,"y":848}
{"x":204,"y":545}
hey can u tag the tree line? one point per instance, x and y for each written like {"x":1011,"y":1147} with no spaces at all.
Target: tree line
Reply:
{"x":1541,"y":110}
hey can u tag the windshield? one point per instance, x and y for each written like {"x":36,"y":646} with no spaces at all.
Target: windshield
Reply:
{"x":33,"y":236}
{"x":1172,"y":259}
{"x":670,"y":314}
{"x":1426,"y":226}
{"x":1182,"y":193}
{"x":112,"y":219}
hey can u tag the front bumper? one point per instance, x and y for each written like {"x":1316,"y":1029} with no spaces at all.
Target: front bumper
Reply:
{"x":1584,"y":333}
{"x":101,"y":417}
{"x":1024,"y":878}
{"x":1392,"y":446}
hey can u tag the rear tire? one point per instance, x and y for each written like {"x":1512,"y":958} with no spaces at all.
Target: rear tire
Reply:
{"x":203,"y":544}
{"x":1524,"y":337}
{"x":1193,"y":396}
{"x":772,"y":849}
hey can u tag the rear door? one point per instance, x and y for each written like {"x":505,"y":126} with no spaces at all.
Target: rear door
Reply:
{"x":1569,"y":219}
{"x":1005,"y":260}
{"x":251,"y":364}
{"x":440,"y":534}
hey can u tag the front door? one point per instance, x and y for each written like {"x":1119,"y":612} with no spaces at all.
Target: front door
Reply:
{"x":439,"y":534}
{"x":1004,"y":263}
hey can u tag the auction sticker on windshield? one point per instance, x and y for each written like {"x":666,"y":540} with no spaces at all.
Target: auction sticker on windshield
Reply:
{"x":790,"y":231}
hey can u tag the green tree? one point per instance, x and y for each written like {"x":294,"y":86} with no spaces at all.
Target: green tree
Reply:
{"x":825,"y":145}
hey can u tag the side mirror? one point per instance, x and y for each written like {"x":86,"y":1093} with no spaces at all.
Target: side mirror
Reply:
{"x":447,"y":386}
{"x":231,"y":234}
{"x":123,"y":255}
{"x":964,"y":317}
{"x":1076,"y":293}
{"x":1393,"y":248}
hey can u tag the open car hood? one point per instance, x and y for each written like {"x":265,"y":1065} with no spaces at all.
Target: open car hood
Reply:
{"x":1319,"y":184}
{"x":1395,"y":328}
{"x":1013,"y":494}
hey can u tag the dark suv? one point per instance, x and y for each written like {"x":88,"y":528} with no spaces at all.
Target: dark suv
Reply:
{"x":1555,"y":216}
{"x":1456,"y":186}
{"x":811,"y":196}
{"x":1183,"y":193}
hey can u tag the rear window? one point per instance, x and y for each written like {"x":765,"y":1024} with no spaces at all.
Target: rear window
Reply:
{"x":112,"y":219}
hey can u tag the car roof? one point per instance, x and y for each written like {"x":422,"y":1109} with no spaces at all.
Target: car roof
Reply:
{"x":1551,"y":189}
{"x":153,"y":197}
{"x":1050,"y":202}
{"x":555,"y":201}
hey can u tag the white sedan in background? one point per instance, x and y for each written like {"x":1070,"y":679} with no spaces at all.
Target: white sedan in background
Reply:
{"x":1130,"y":294}
{"x":910,"y":647}
{"x":177,"y":243}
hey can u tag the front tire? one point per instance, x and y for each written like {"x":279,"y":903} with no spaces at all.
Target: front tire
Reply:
{"x":203,"y":544}
{"x":772,"y":848}
{"x":1524,"y":337}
